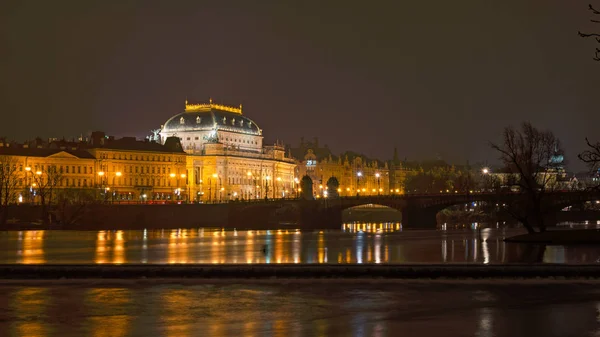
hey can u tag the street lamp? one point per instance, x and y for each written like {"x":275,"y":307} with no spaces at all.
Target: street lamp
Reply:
{"x":267,"y":178}
{"x":358,"y":175}
{"x":377,"y":175}
{"x":296,"y":181}
{"x":173,"y":175}
{"x":117,"y":174}
{"x":183,"y":176}
{"x":277,"y":185}
{"x":28,"y":181}
{"x":251,"y":179}
{"x":209,"y":182}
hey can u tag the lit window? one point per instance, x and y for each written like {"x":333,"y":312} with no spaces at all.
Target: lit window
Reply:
{"x":242,"y":123}
{"x":224,"y":120}
{"x":198,"y":120}
{"x":181,"y":120}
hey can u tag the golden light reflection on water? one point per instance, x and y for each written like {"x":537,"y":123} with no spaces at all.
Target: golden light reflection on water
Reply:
{"x":249,"y":247}
{"x":110,"y":247}
{"x":31,"y":247}
{"x":109,"y":311}
{"x":175,"y":303}
{"x":354,"y":227}
{"x":177,"y":251}
{"x":30,"y":303}
{"x":374,"y":244}
{"x":279,"y":248}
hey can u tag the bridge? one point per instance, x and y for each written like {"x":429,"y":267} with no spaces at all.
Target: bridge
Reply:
{"x":418,"y":211}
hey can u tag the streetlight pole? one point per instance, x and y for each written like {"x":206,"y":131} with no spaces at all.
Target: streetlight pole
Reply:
{"x":28,"y":182}
{"x":358,"y":175}
{"x":101,"y":178}
{"x":172,"y":176}
{"x":296,"y":181}
{"x":251,"y":180}
{"x":267,"y":178}
{"x":117,"y":174}
{"x":277,"y":186}
{"x":215,"y":176}
{"x":183,"y":176}
{"x":377,"y":175}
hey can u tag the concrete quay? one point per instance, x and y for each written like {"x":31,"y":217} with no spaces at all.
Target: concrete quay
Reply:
{"x":295,"y":271}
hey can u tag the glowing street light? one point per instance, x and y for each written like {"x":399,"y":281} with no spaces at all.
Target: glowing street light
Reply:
{"x":485,"y":170}
{"x":27,"y":168}
{"x":39,"y":173}
{"x":101,"y":173}
{"x":172,"y":175}
{"x":118,"y":174}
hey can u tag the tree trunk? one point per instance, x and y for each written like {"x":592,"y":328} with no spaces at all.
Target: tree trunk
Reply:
{"x":44,"y":211}
{"x":528,"y":226}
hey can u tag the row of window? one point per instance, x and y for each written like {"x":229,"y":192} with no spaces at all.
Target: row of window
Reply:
{"x":248,"y":181}
{"x":141,"y":169}
{"x":75,"y":169}
{"x":119,"y":156}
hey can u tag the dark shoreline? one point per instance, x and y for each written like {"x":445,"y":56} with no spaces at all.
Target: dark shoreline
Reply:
{"x":560,"y":237}
{"x":295,"y":271}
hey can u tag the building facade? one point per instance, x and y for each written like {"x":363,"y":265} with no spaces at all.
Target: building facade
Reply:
{"x":131,"y":170}
{"x":356,"y":174}
{"x":226,"y":158}
{"x":122,"y":170}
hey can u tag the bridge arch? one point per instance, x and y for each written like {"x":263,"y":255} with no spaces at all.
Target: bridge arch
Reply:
{"x":368,"y":213}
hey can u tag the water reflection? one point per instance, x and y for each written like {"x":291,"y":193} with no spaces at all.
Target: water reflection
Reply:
{"x":31,"y":247}
{"x":375,"y":244}
{"x":300,"y":309}
{"x":30,"y":304}
{"x":109,"y":311}
{"x":110,"y":247}
{"x":372,"y":227}
{"x":175,"y":302}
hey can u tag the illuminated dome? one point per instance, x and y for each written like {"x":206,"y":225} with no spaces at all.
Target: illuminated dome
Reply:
{"x":211,"y":116}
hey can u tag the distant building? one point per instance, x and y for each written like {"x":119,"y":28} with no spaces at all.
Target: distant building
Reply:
{"x":356,"y":174}
{"x":120,"y":170}
{"x":226,"y":156}
{"x":139,"y":170}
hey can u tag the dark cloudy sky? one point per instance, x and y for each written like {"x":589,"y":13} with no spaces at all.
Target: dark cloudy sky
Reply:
{"x":434,"y":78}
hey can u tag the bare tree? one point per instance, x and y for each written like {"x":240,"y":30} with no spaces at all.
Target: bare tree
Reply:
{"x":529,"y":155}
{"x":594,"y":35}
{"x":9,"y":180}
{"x":591,"y":156}
{"x":46,"y":183}
{"x":73,"y":203}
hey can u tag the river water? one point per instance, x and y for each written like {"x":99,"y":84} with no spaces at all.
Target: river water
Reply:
{"x":296,"y":308}
{"x":376,"y":243}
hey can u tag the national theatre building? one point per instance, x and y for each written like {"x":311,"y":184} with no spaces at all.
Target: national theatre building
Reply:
{"x":226,"y":158}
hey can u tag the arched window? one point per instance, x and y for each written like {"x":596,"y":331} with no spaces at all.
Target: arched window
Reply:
{"x":181,"y":120}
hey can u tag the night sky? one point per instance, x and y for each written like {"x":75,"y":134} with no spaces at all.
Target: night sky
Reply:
{"x":434,"y":78}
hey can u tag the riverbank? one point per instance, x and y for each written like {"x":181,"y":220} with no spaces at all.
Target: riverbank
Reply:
{"x":560,"y":237}
{"x":294,"y":271}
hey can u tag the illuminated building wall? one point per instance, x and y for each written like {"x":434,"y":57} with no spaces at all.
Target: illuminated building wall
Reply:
{"x":355,"y":173}
{"x":226,"y":157}
{"x":140,"y":171}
